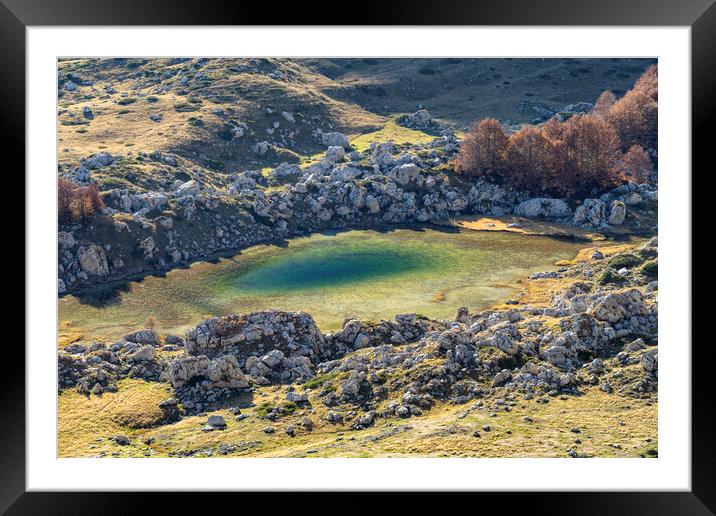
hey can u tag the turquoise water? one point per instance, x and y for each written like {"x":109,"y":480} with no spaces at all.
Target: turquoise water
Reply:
{"x":362,"y":273}
{"x":332,"y":264}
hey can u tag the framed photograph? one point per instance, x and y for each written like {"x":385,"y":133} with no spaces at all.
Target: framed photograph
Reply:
{"x":417,"y":253}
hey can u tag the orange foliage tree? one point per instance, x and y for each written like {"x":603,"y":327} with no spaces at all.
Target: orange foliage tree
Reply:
{"x":482,"y":151}
{"x":77,"y":203}
{"x":578,"y":157}
{"x":634,"y":116}
{"x":604,"y":103}
{"x":530,"y":160}
{"x":636,"y":165}
{"x":648,"y":83}
{"x":587,"y":156}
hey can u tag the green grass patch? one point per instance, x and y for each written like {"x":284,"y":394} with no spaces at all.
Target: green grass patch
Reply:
{"x":650,"y":269}
{"x":391,"y":131}
{"x":624,"y":260}
{"x":317,"y":381}
{"x":264,"y":408}
{"x":609,"y":275}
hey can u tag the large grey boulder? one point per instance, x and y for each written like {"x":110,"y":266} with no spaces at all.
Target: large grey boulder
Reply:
{"x":592,"y":213}
{"x":404,"y":174}
{"x":285,"y":170}
{"x":142,"y":337}
{"x":335,"y":139}
{"x":191,"y":187}
{"x":617,"y":213}
{"x":421,"y":119}
{"x":93,"y":260}
{"x":543,"y":207}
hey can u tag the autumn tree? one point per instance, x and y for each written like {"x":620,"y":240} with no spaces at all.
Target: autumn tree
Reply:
{"x":648,"y":83}
{"x":587,"y":156}
{"x":634,"y":116}
{"x":77,"y":203}
{"x":636,"y":165}
{"x":65,"y":193}
{"x":95,"y":200}
{"x":530,"y":160}
{"x":482,"y":151}
{"x":604,"y":103}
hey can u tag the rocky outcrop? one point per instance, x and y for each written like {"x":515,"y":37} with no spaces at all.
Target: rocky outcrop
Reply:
{"x":387,"y":184}
{"x":335,"y":139}
{"x":618,"y":306}
{"x":221,"y":372}
{"x":617,"y":213}
{"x":93,"y":260}
{"x":543,"y":208}
{"x":591,"y":213}
{"x":292,"y":333}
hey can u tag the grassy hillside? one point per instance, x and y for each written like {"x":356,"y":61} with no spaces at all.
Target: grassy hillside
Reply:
{"x":193,"y":107}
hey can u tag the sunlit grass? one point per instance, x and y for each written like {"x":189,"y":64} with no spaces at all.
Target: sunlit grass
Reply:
{"x":391,"y":131}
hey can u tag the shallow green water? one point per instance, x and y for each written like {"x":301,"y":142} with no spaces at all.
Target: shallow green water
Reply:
{"x":365,"y":274}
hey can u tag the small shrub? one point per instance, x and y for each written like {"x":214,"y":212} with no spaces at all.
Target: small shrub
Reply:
{"x":263,"y":409}
{"x":152,"y":99}
{"x":624,"y":260}
{"x":287,"y":407}
{"x":650,"y":269}
{"x":609,"y":275}
{"x":318,"y":381}
{"x":196,"y":122}
{"x":183,"y":107}
{"x":127,"y":101}
{"x":151,"y":323}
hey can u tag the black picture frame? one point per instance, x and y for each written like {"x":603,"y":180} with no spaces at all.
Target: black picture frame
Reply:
{"x":700,"y":15}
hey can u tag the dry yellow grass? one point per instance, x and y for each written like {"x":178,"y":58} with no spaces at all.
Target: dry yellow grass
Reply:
{"x":585,"y":255}
{"x":86,"y":422}
{"x":610,"y":426}
{"x":67,"y":333}
{"x":526,"y":227}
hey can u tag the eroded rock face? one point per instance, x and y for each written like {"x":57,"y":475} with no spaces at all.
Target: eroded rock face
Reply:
{"x":93,"y":260}
{"x":592,"y":213}
{"x":617,"y":213}
{"x":220,"y":372}
{"x":617,"y":306}
{"x":275,"y":367}
{"x":405,"y":174}
{"x":357,"y":335}
{"x":142,"y":337}
{"x":293,"y":333}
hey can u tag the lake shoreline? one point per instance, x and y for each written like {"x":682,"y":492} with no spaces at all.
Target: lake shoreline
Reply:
{"x":528,"y":227}
{"x":334,"y":274}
